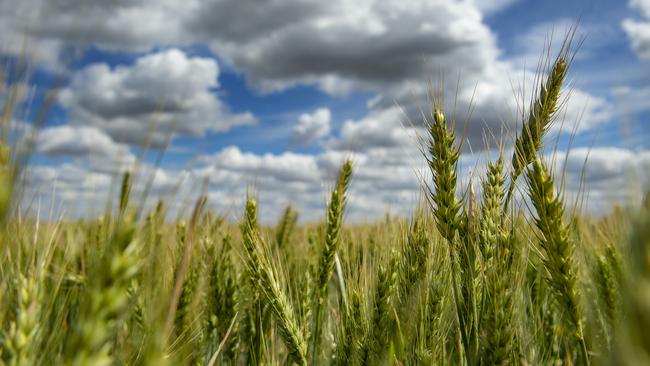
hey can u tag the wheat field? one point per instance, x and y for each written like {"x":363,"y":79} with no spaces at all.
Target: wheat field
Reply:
{"x":468,"y":279}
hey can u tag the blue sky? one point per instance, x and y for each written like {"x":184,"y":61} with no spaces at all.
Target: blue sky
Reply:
{"x":271,"y":96}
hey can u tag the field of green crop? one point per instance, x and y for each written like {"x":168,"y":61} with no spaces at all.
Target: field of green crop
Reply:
{"x":469,"y":279}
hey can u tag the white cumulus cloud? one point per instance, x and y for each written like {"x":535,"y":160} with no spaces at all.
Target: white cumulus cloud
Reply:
{"x":160,"y":94}
{"x":312,"y":126}
{"x":638,"y":31}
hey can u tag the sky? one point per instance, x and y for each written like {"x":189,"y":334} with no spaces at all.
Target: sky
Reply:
{"x":230,"y":97}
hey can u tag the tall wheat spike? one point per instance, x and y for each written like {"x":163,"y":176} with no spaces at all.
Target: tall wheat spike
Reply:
{"x":265,"y":279}
{"x":558,"y":248}
{"x":541,"y":115}
{"x":442,"y":158}
{"x":443,"y":163}
{"x":491,"y":222}
{"x":498,"y":338}
{"x":335,"y":210}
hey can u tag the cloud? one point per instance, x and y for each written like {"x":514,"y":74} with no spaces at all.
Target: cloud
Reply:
{"x":611,"y":176}
{"x":583,"y":112}
{"x":643,"y":5}
{"x":384,"y":128}
{"x":490,"y":7}
{"x":312,"y":127}
{"x":368,"y":43}
{"x":78,"y":141}
{"x":390,"y":48}
{"x":285,"y":167}
{"x":222,"y":19}
{"x":136,"y":25}
{"x":161,"y":93}
{"x":85,"y":190}
{"x":384,"y":180}
{"x":639,"y":31}
{"x":70,"y":189}
{"x":632,"y":100}
{"x":639,"y":34}
{"x":48,"y":27}
{"x":527,"y":46}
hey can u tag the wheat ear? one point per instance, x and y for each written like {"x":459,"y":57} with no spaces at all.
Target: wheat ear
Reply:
{"x":265,"y":280}
{"x":443,"y":163}
{"x":541,"y":115}
{"x":21,"y":337}
{"x":335,"y":211}
{"x":496,"y":243}
{"x":442,"y":159}
{"x":376,"y":341}
{"x":558,"y":247}
{"x":106,"y":300}
{"x":285,"y":227}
